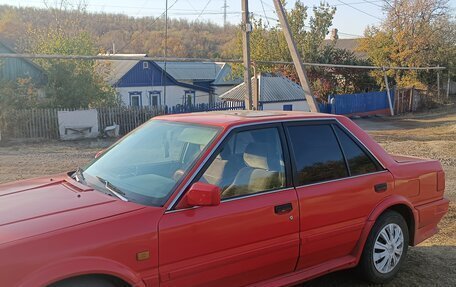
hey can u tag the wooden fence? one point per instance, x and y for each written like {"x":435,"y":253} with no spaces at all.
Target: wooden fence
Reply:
{"x":44,"y":123}
{"x":38,"y":123}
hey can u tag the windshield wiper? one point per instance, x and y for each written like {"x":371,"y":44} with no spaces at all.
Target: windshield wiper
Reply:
{"x":78,"y":175}
{"x":113,"y":189}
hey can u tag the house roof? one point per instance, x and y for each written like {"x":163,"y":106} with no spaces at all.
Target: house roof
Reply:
{"x":192,"y":70}
{"x":272,"y":88}
{"x":118,"y":68}
{"x":347,"y":44}
{"x":218,"y":72}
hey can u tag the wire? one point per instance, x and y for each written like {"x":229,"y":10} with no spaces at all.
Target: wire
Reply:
{"x":204,"y":9}
{"x":373,"y":3}
{"x":353,"y":7}
{"x":264,"y":12}
{"x":305,"y":26}
{"x":158,"y":59}
{"x":156,"y":19}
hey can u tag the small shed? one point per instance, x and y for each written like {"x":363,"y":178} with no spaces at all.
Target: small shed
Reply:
{"x":276,"y":92}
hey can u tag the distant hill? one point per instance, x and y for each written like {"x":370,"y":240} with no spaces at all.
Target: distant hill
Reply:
{"x":129,"y":34}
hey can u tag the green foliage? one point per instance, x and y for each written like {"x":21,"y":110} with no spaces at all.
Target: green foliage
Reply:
{"x":71,"y":83}
{"x":19,"y":94}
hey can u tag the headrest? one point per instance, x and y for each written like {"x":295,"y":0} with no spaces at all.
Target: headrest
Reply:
{"x":256,"y":155}
{"x":225,"y":153}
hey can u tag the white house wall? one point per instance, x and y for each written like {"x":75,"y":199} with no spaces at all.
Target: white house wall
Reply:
{"x":174,"y":95}
{"x":296,"y":106}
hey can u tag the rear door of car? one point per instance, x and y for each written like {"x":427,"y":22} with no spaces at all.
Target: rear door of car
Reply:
{"x":249,"y":237}
{"x":338,"y":182}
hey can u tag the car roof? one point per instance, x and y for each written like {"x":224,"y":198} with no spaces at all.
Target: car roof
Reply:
{"x":239,"y":117}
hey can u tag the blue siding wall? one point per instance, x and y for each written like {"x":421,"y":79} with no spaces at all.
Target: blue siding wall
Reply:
{"x":138,"y":76}
{"x":359,"y":103}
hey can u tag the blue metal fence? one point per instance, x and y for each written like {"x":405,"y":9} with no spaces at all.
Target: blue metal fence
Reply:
{"x":349,"y":104}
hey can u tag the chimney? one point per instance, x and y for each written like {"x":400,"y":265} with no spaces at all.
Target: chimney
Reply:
{"x":334,"y":36}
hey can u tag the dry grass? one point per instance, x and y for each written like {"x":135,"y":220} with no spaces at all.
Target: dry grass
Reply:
{"x":433,"y":135}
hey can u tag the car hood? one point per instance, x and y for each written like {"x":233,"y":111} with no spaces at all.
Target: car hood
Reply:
{"x":33,"y":207}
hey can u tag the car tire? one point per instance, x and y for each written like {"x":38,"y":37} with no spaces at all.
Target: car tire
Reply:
{"x":84,"y":281}
{"x":385,"y":249}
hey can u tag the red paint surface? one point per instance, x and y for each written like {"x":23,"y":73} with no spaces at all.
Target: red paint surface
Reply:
{"x":51,"y":230}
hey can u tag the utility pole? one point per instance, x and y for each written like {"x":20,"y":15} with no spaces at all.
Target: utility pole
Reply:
{"x":256,"y":88}
{"x":246,"y":29}
{"x":438,"y":83}
{"x":388,"y":93}
{"x":295,"y":56}
{"x":224,"y":14}
{"x":166,"y":53}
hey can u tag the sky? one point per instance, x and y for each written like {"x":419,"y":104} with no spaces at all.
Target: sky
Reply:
{"x":351,"y":18}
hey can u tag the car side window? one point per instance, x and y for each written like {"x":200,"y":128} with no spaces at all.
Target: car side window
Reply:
{"x":317,"y":154}
{"x":249,"y":162}
{"x":358,"y":161}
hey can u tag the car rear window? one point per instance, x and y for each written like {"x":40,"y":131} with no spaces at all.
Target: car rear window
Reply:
{"x":358,"y":161}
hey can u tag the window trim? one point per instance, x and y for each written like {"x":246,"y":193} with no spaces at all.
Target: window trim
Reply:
{"x":135,"y":94}
{"x":331,"y":123}
{"x":232,"y":132}
{"x":170,"y":207}
{"x":157,"y":94}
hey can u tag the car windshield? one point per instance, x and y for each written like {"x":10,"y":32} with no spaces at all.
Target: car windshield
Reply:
{"x":146,"y":166}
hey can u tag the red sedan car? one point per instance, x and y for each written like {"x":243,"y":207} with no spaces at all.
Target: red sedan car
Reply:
{"x":222,"y":199}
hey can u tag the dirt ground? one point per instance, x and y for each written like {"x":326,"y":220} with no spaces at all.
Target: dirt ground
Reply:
{"x":429,"y":135}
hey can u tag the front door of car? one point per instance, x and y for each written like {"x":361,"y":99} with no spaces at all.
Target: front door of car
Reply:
{"x":253,"y":235}
{"x":338,"y":184}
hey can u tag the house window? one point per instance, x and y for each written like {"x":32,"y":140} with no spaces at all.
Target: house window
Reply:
{"x":287,"y":107}
{"x":154,"y":98}
{"x":135,"y":99}
{"x":189,"y":98}
{"x":145,"y":65}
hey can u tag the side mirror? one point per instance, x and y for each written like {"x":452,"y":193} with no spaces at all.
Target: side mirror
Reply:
{"x":203,"y":194}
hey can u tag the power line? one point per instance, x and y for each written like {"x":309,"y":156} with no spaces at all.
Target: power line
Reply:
{"x":156,"y":19}
{"x":373,"y":3}
{"x":353,"y":7}
{"x":202,"y":11}
{"x":264,"y":11}
{"x":305,"y":26}
{"x":161,"y":59}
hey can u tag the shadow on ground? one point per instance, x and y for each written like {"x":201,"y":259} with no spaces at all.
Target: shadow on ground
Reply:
{"x":425,"y":266}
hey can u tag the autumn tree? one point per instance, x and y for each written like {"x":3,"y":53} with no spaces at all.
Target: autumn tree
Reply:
{"x":415,"y":33}
{"x":268,"y":44}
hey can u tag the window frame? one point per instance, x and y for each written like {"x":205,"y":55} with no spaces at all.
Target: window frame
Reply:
{"x":331,"y":123}
{"x":157,"y":94}
{"x":135,"y":94}
{"x":378,"y":166}
{"x":232,"y":133}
